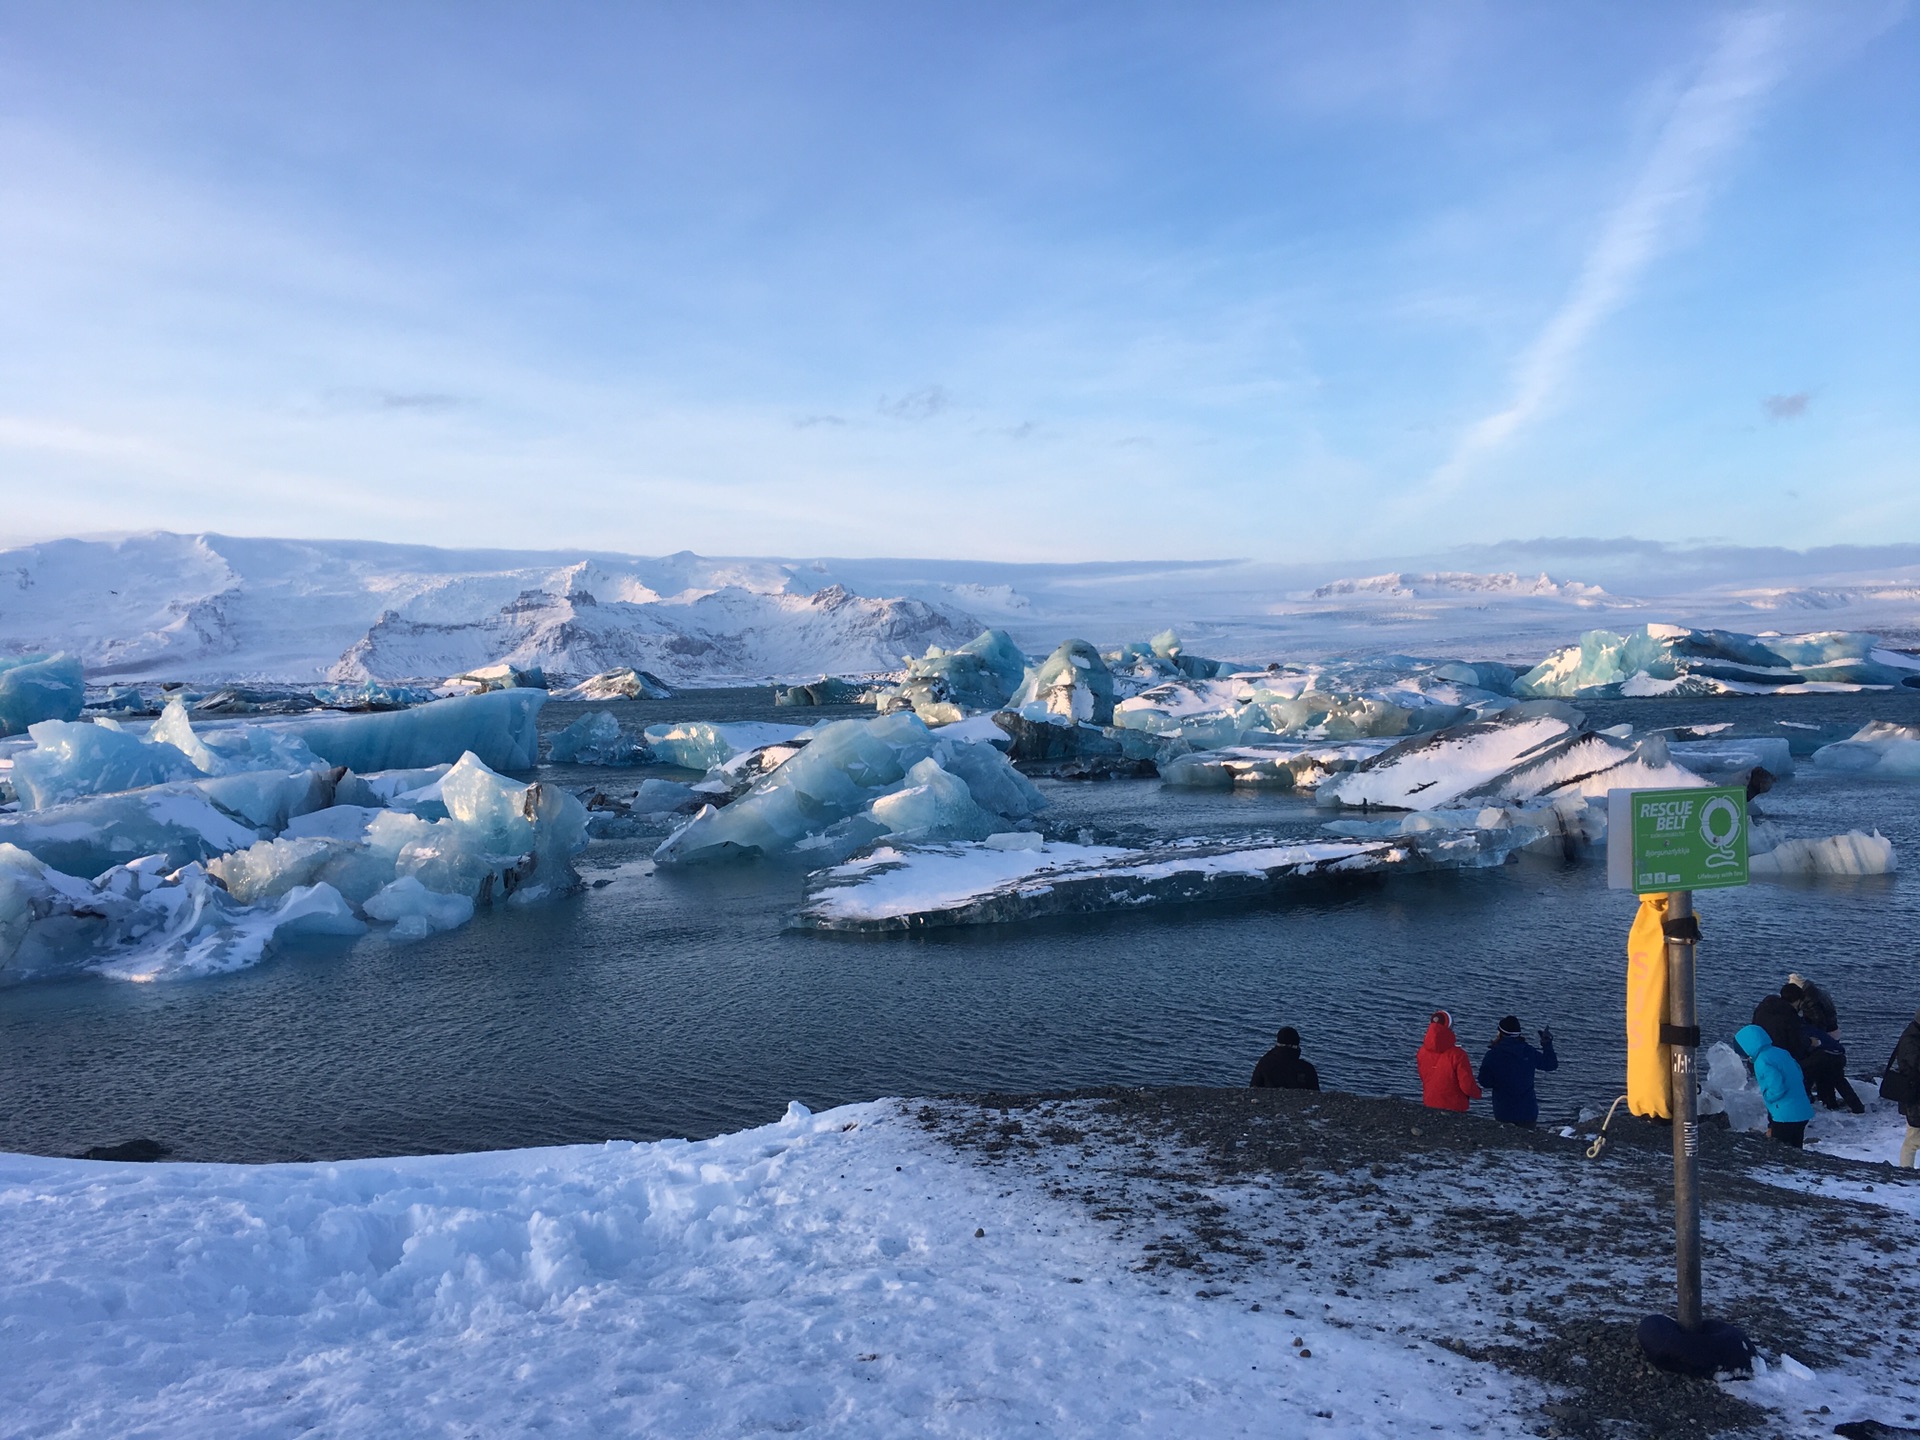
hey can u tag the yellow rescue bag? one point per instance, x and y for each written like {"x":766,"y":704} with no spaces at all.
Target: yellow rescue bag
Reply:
{"x":1649,"y":1063}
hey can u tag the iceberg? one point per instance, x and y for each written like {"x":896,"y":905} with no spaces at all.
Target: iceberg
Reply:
{"x":1163,"y":656}
{"x":1734,"y":756}
{"x":1277,"y":767}
{"x":1879,"y":749}
{"x":826,"y":793}
{"x":71,"y":759}
{"x":1073,"y":682}
{"x":499,"y":839}
{"x":370,"y":695}
{"x":178,"y":821}
{"x":623,"y":684}
{"x":1854,"y":853}
{"x":944,"y":686}
{"x":1534,"y":751}
{"x":34,"y":688}
{"x":143,"y":922}
{"x":416,"y":912}
{"x":500,"y":727}
{"x":1016,"y":876}
{"x":827,"y":690}
{"x":1674,"y":660}
{"x":702,"y":745}
{"x":595,"y":739}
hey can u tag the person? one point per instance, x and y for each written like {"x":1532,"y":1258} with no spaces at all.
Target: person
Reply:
{"x":1901,"y":1084}
{"x":1775,"y":1015}
{"x":1507,"y":1071}
{"x":1825,"y":1062}
{"x":1781,"y":1085}
{"x":1446,"y":1075}
{"x":1281,"y":1068}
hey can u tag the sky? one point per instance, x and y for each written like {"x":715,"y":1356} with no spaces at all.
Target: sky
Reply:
{"x":997,"y":281}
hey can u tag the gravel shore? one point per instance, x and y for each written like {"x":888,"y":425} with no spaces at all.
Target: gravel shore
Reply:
{"x":1501,"y":1243}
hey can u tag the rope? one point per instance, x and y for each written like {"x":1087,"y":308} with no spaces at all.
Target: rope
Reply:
{"x":1600,"y":1140}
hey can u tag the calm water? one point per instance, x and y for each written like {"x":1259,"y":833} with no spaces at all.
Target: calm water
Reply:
{"x":676,"y":1003}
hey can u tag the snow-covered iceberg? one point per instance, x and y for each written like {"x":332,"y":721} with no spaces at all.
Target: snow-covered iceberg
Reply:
{"x":1018,"y":876}
{"x":1855,"y":853}
{"x":1674,"y":660}
{"x":1880,"y":749}
{"x":1073,"y":681}
{"x":944,"y":686}
{"x":856,"y":781}
{"x":1534,"y":751}
{"x":622,"y":684}
{"x":39,"y":687}
{"x":703,"y":744}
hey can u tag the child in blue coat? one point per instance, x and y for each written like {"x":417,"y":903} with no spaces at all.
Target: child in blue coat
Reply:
{"x":1781,"y":1084}
{"x":1507,"y":1072}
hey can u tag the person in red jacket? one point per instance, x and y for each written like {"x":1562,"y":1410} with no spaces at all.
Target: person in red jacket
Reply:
{"x":1446,"y":1075}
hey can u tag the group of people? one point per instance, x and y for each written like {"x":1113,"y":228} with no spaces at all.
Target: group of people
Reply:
{"x":1447,"y":1077}
{"x":1793,"y":1045}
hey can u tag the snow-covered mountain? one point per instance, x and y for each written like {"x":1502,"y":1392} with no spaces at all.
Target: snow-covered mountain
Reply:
{"x":215,"y":607}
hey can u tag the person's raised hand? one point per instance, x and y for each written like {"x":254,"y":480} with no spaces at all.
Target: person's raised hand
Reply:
{"x":1546,"y":1039}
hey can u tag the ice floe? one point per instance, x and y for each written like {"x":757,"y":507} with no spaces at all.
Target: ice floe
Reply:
{"x":1661,"y":659}
{"x":1855,"y":853}
{"x":596,"y":739}
{"x":701,"y":745}
{"x":623,"y":684}
{"x":826,"y":795}
{"x":1880,"y":749}
{"x":943,"y":686}
{"x":1018,"y":876}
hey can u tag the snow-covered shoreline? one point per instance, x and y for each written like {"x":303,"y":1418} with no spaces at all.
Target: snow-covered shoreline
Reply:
{"x":988,"y":1267}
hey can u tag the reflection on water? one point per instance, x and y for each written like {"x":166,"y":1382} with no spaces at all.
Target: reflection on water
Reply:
{"x":676,"y":1003}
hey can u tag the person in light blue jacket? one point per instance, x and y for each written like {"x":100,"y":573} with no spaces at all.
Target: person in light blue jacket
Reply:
{"x":1781,"y":1084}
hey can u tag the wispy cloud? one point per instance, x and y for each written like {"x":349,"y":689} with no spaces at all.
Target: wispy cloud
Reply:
{"x":1787,"y":407}
{"x":921,"y":404}
{"x":1710,"y":118}
{"x":809,"y":422}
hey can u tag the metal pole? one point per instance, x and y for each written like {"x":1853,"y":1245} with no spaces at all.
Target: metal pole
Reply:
{"x":1683,"y":1035}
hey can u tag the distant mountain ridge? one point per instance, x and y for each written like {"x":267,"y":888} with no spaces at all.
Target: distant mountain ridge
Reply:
{"x":209,"y":607}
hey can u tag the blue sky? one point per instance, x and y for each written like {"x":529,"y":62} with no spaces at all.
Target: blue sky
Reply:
{"x":1000,"y":281}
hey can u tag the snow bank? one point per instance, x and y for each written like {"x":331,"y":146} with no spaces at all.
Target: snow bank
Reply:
{"x":836,"y":1272}
{"x":1016,"y":876}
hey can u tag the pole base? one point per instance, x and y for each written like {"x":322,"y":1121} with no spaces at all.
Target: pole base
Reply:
{"x":1716,"y":1348}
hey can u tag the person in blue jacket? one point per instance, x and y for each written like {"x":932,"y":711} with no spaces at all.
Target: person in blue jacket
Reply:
{"x":1781,"y":1084}
{"x":1508,"y":1069}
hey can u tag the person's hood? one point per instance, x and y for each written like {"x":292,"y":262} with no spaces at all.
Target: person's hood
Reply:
{"x":1440,"y":1037}
{"x":1752,"y":1040}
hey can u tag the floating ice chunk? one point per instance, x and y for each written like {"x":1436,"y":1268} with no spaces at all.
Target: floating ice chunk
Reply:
{"x":827,"y":690}
{"x":1729,"y":1089}
{"x":500,"y":728}
{"x":71,"y":759}
{"x":1854,"y":853}
{"x":900,"y":888}
{"x":336,"y":822}
{"x":417,"y":912}
{"x":370,"y":695}
{"x":1734,"y":756}
{"x":1879,"y":749}
{"x":847,"y":765}
{"x":85,"y":837}
{"x":625,"y":684}
{"x":1073,"y":681}
{"x":488,"y":678}
{"x":701,"y":744}
{"x":1672,"y":660}
{"x":34,"y":688}
{"x":933,"y":804}
{"x":594,"y":739}
{"x":658,"y":797}
{"x":943,"y":686}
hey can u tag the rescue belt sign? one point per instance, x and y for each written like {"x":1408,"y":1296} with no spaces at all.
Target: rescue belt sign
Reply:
{"x":1665,"y":840}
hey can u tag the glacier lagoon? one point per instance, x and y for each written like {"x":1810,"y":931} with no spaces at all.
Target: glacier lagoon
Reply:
{"x":677,"y":1000}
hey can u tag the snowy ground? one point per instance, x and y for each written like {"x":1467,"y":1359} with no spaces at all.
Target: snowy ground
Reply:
{"x":1158,"y":1263}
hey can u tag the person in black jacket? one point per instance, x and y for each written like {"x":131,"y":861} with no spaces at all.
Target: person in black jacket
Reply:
{"x":1902,"y":1085}
{"x":1281,"y":1068}
{"x":1775,"y":1015}
{"x":1825,"y":1063}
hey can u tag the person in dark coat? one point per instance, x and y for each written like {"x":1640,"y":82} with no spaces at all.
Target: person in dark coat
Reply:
{"x":1775,"y":1015}
{"x":1281,"y":1068}
{"x":1508,"y":1069}
{"x":1825,"y":1064}
{"x":1903,"y":1080}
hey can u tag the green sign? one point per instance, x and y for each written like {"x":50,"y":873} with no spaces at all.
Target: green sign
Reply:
{"x":1693,"y":839}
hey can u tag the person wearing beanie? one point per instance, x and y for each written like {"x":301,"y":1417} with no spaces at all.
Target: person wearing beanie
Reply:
{"x":1508,"y":1070}
{"x":1825,"y":1063}
{"x":1281,"y":1068}
{"x":1446,"y":1075}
